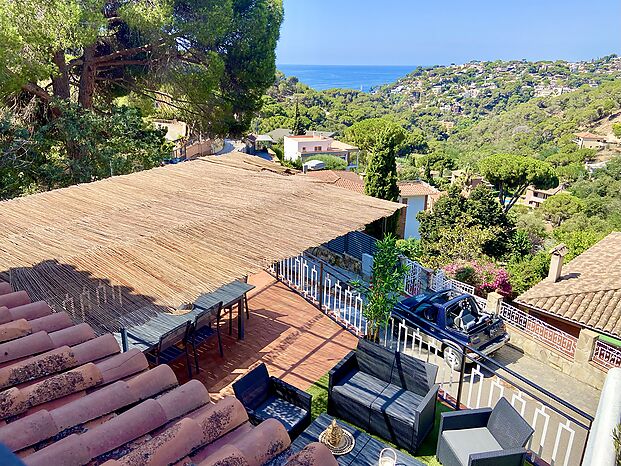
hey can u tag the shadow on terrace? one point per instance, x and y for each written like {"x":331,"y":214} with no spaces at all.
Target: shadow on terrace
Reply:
{"x":296,"y":342}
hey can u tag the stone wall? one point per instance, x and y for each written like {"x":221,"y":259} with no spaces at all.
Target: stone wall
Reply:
{"x":344,"y":261}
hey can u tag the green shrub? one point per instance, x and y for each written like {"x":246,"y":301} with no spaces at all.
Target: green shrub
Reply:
{"x":410,"y":248}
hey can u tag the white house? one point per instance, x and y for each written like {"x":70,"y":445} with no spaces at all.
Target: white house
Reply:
{"x":418,"y":196}
{"x":308,"y":145}
{"x":588,"y":140}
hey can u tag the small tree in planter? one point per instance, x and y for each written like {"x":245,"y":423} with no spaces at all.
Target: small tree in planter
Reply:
{"x":387,"y":281}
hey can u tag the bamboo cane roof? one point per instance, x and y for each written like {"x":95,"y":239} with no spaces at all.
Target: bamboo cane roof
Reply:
{"x":159,"y":238}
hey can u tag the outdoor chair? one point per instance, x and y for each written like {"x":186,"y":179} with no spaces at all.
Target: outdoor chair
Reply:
{"x":385,"y":392}
{"x":202,"y":330}
{"x":483,"y":437}
{"x":167,"y":351}
{"x":267,"y":397}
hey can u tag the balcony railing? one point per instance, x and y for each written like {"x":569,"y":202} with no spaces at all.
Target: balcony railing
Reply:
{"x":606,"y":355}
{"x":539,"y":330}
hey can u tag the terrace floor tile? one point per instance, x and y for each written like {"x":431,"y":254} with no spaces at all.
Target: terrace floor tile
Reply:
{"x":291,"y":336}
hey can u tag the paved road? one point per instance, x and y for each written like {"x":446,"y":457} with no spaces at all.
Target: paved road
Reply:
{"x":562,"y":385}
{"x":231,"y":145}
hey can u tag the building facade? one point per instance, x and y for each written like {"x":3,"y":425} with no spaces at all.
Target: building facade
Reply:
{"x":306,"y":146}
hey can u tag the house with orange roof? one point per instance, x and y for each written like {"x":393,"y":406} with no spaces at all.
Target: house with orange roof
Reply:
{"x":417,"y":195}
{"x":586,"y":140}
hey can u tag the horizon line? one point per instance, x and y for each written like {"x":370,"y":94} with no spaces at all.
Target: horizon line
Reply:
{"x":474,"y":60}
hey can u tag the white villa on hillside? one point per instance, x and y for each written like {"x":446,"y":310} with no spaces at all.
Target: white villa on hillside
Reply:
{"x":308,"y":145}
{"x":535,"y":196}
{"x":588,"y":140}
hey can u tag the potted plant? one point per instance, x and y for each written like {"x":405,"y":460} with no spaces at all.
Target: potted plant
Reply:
{"x":383,"y":291}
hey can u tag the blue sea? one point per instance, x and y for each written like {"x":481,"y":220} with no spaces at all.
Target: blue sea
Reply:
{"x":360,"y":77}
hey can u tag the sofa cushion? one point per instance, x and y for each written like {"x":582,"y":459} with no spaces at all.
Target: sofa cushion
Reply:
{"x":397,"y":402}
{"x":287,"y":413}
{"x":375,"y":360}
{"x":466,"y":442}
{"x":362,"y":387}
{"x":413,"y":374}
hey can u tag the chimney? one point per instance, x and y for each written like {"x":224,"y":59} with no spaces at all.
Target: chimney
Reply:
{"x":556,"y":262}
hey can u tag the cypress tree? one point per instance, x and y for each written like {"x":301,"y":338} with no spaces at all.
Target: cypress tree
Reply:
{"x":381,"y":177}
{"x":298,"y":129}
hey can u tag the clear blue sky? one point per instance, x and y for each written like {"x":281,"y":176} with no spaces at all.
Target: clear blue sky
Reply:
{"x":428,"y":32}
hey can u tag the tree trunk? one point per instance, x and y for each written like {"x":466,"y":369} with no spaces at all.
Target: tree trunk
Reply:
{"x":60,"y":83}
{"x":87,"y":78}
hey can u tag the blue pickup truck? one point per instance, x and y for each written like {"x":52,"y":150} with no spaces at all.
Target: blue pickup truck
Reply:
{"x":451,"y":320}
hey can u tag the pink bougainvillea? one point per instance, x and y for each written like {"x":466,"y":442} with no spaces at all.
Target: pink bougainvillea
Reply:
{"x":484,"y":276}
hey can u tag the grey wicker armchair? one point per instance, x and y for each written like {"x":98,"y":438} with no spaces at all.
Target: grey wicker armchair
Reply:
{"x":483,"y":437}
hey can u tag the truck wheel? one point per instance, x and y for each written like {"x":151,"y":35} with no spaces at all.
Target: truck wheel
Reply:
{"x":452,"y":358}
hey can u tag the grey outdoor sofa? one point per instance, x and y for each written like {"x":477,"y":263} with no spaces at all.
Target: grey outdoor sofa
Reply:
{"x":483,"y":437}
{"x":388,"y":393}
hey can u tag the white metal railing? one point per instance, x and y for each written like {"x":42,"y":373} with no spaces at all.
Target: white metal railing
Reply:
{"x":417,"y":279}
{"x":441,"y":282}
{"x":558,"y":439}
{"x":539,"y":330}
{"x":326,"y":288}
{"x":606,"y":355}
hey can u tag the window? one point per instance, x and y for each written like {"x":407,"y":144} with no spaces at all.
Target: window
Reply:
{"x":317,"y":148}
{"x":303,"y":149}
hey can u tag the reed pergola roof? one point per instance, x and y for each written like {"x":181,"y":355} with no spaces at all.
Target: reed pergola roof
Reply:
{"x":160,"y":238}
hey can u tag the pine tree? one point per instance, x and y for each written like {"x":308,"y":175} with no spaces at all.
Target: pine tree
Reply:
{"x":298,"y":128}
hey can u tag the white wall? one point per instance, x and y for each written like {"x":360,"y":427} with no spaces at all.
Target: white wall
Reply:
{"x":415,"y":205}
{"x":293,"y":146}
{"x":600,"y":449}
{"x":291,"y":149}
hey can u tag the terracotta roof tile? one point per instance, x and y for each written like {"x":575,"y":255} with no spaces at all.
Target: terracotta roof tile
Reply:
{"x":5,"y":288}
{"x":14,"y":299}
{"x":15,"y":329}
{"x":353,"y":182}
{"x":416,"y":188}
{"x":589,"y":290}
{"x":51,"y":323}
{"x":588,"y":135}
{"x":343,"y":179}
{"x":67,"y":397}
{"x":30,"y":311}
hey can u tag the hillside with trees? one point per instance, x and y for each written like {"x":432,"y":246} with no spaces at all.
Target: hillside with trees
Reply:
{"x":514,"y":123}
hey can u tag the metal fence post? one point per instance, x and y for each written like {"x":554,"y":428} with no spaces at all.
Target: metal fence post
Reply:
{"x":320,"y":303}
{"x":277,"y":270}
{"x":462,"y":374}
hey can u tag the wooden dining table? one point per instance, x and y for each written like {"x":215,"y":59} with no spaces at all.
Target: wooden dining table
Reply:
{"x":147,"y":335}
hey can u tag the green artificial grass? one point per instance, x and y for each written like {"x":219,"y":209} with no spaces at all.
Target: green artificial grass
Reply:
{"x":425,"y":453}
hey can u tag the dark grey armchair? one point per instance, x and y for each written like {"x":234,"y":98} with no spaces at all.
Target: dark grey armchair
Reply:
{"x":388,"y":393}
{"x":483,"y":437}
{"x":266,"y":397}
